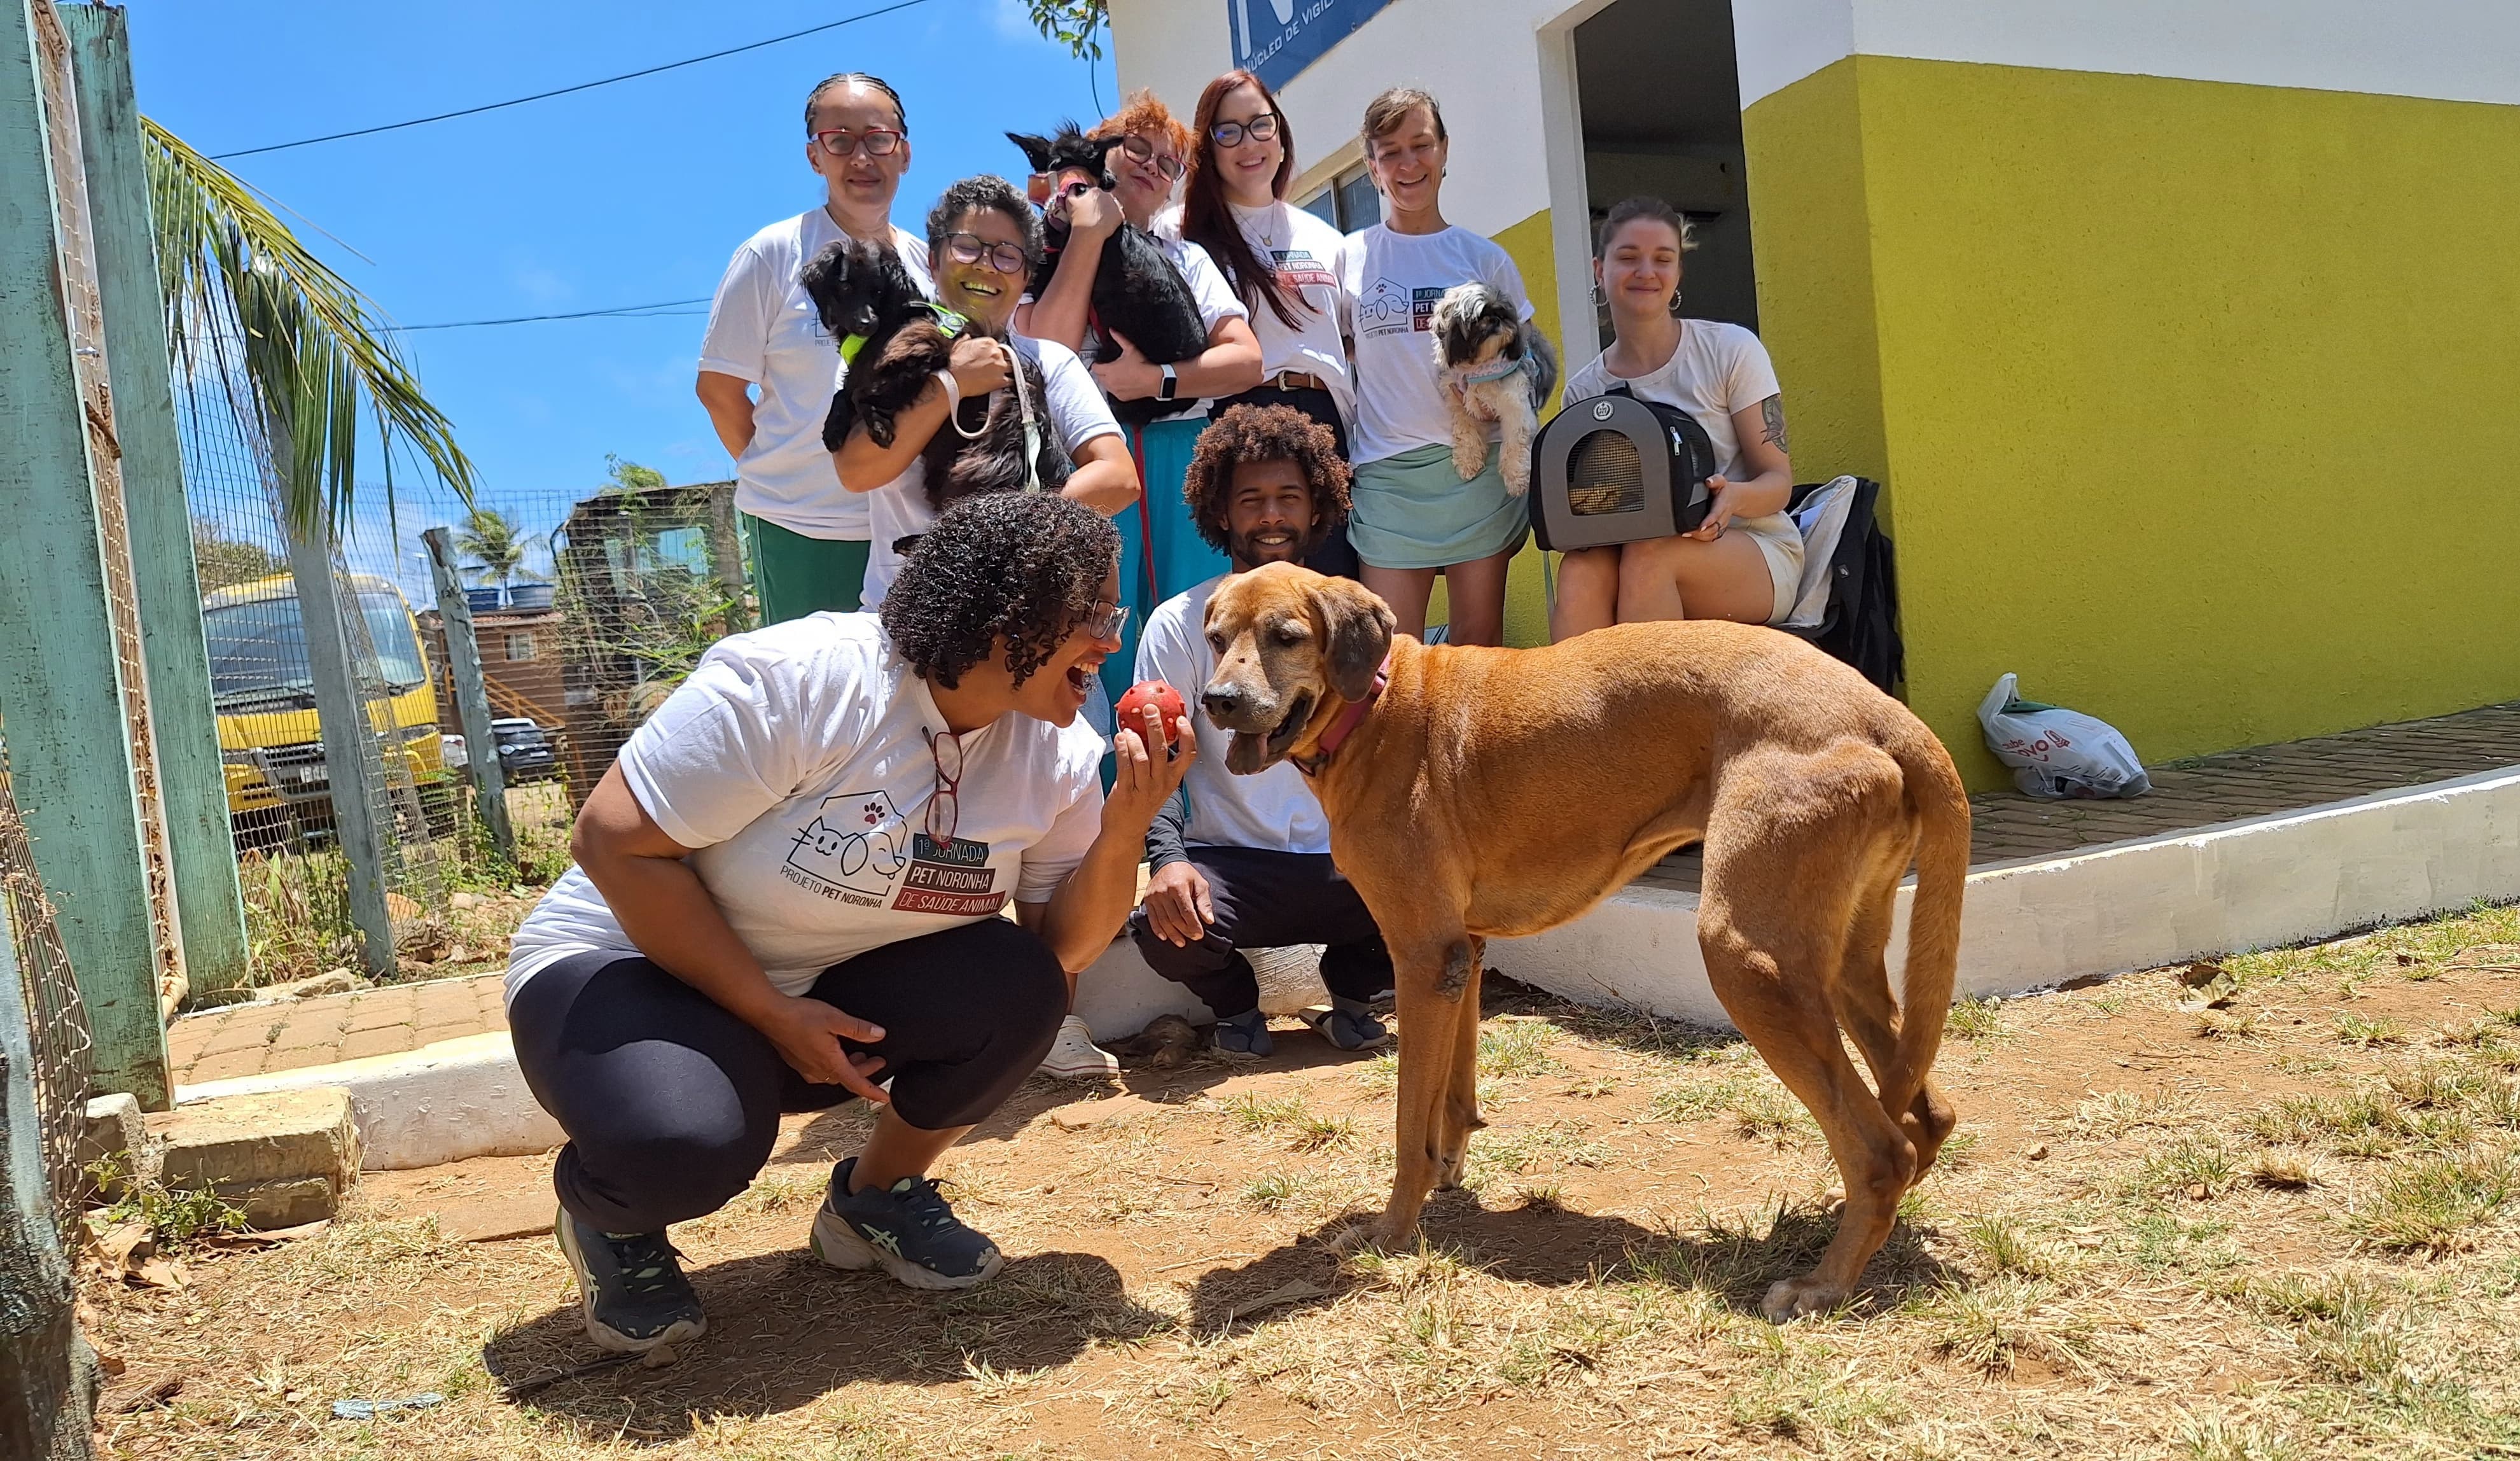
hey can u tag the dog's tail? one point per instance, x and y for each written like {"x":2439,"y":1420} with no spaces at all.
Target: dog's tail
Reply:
{"x":1942,"y":808}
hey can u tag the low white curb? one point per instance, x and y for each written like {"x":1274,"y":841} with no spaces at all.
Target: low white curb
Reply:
{"x":441,"y":1103}
{"x":2034,"y":924}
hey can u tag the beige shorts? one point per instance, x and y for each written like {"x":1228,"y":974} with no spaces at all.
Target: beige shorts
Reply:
{"x":1780,"y":544}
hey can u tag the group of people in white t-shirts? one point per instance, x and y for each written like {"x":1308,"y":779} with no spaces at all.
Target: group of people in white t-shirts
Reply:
{"x":792,"y":887}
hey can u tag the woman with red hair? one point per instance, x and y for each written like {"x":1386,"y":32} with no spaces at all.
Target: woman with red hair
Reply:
{"x":1280,"y":260}
{"x":1146,"y":146}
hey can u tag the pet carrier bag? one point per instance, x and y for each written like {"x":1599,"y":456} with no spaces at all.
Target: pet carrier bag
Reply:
{"x":1614,"y":468}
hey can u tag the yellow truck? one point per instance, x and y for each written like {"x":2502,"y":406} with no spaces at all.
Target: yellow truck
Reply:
{"x":278,"y":784}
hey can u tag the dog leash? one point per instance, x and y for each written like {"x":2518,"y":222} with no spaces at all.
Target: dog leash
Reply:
{"x":1345,"y":726}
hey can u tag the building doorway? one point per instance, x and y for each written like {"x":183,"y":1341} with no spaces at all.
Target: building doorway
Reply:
{"x":1661,"y":94}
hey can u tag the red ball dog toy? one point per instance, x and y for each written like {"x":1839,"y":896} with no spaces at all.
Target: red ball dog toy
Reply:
{"x":1130,"y":712}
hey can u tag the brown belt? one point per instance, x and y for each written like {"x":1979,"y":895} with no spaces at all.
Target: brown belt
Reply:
{"x":1293,"y":380}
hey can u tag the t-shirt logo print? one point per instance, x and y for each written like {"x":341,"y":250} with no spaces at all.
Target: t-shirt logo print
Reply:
{"x":1384,"y":310}
{"x":852,"y":850}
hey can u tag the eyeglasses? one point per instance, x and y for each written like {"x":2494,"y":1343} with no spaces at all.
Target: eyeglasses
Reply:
{"x":874,"y":142}
{"x":971,"y":248}
{"x":945,"y":802}
{"x":1261,"y":128}
{"x":1140,"y":150}
{"x":1104,"y":620}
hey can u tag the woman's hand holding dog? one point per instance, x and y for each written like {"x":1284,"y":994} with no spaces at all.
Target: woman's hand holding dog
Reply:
{"x":1719,"y":510}
{"x":1129,"y":377}
{"x":1179,"y":907}
{"x":980,"y":365}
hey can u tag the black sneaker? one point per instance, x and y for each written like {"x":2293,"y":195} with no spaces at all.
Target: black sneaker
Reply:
{"x":630,"y":1288}
{"x":907,"y":1229}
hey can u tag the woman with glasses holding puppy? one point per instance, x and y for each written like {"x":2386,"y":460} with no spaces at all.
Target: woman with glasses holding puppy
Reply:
{"x":1147,"y":146}
{"x":787,"y":893}
{"x":1280,"y":260}
{"x":982,"y":237}
{"x":1414,"y":516}
{"x":808,"y":537}
{"x":1745,"y":561}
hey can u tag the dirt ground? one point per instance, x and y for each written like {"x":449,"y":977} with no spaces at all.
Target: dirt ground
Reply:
{"x":2274,"y":1215}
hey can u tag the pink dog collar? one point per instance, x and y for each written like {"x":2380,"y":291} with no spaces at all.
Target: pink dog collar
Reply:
{"x":1345,"y":726}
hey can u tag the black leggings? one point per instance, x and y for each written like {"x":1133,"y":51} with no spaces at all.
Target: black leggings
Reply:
{"x":1333,"y":556}
{"x":672,"y":1104}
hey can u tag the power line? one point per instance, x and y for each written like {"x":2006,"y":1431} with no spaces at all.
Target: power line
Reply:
{"x":662,"y":310}
{"x":394,"y":126}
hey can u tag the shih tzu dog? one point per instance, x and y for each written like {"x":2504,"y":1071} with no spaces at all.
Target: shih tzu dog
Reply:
{"x":895,"y":342}
{"x":1138,"y":294}
{"x":1496,"y":368}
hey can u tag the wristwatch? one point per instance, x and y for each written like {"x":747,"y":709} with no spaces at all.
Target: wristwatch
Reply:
{"x":1172,"y":383}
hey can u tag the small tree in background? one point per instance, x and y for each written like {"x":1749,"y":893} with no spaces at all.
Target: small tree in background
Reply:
{"x":630,"y":477}
{"x":1073,"y":24}
{"x":497,"y":550}
{"x":225,"y":561}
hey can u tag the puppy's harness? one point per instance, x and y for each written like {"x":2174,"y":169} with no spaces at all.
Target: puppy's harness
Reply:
{"x":947,"y":321}
{"x":1345,"y":726}
{"x":1485,"y":374}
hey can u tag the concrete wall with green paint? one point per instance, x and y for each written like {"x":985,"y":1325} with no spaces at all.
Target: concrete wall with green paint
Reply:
{"x":2194,"y":398}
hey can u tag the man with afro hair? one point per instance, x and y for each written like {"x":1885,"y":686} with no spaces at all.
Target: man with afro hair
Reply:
{"x":1242,"y":862}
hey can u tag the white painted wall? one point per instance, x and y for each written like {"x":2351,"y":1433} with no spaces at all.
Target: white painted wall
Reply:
{"x":2455,"y":50}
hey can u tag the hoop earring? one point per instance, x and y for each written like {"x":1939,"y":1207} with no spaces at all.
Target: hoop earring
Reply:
{"x":1600,"y":301}
{"x":1675,"y":305}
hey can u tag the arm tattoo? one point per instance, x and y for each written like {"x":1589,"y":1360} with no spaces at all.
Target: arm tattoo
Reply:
{"x":1772,"y":412}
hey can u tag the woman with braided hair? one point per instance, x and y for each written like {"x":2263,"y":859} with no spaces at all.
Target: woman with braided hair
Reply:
{"x":788,"y":890}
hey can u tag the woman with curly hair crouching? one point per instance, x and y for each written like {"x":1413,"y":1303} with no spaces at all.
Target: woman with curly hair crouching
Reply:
{"x":786,"y":894}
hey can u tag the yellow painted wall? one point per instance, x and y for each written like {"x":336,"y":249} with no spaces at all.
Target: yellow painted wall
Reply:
{"x":2198,"y":399}
{"x":1535,"y":254}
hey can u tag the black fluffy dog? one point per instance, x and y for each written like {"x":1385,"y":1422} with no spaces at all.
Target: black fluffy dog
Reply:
{"x":863,"y":293}
{"x":1138,"y":294}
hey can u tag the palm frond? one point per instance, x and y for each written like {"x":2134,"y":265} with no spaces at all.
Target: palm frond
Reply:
{"x":248,"y":308}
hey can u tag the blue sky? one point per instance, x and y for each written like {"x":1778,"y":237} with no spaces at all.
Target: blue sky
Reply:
{"x":623,"y":195}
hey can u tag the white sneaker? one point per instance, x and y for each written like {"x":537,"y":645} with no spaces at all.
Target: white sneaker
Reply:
{"x":1074,"y":1056}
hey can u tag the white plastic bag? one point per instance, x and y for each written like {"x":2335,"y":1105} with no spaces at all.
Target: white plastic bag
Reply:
{"x":2055,"y":752}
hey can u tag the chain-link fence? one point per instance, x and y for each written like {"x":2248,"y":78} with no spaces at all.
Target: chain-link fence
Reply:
{"x":55,"y":1018}
{"x":285,"y":777}
{"x":588,"y":608}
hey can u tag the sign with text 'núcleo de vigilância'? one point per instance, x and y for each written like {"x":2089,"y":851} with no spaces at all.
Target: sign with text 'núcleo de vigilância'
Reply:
{"x":1278,"y":38}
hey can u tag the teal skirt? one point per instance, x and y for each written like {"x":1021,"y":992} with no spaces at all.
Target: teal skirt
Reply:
{"x":1413,"y":511}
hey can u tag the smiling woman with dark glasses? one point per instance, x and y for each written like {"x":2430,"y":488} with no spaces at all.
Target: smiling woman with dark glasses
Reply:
{"x":765,"y":374}
{"x":788,"y":890}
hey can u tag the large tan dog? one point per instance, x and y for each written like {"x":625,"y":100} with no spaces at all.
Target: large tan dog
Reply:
{"x":1487,"y":794}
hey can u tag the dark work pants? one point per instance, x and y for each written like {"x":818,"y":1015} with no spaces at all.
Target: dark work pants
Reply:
{"x":672,"y":1104}
{"x":1266,"y":899}
{"x":1333,"y":556}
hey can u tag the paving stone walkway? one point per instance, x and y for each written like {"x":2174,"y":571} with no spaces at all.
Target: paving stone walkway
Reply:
{"x":2229,"y":787}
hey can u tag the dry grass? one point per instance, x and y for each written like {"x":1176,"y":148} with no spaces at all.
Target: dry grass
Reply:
{"x":2140,"y":1244}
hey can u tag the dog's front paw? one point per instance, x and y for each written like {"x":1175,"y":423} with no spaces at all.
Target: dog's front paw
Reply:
{"x":1376,"y":1234}
{"x":878,"y":426}
{"x":1515,"y":469}
{"x":1793,"y":1299}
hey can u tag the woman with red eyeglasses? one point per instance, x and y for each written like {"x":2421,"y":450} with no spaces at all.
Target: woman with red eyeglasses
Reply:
{"x":789,"y":890}
{"x":1147,"y":145}
{"x":766,"y":366}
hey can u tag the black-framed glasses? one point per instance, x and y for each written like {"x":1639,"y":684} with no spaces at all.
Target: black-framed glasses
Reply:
{"x":945,"y":802}
{"x":1261,"y":128}
{"x":1140,"y":150}
{"x":1104,"y":620}
{"x":971,"y":248}
{"x":874,"y":142}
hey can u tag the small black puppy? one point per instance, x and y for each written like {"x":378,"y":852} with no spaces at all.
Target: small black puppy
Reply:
{"x":895,"y":342}
{"x":1138,"y":294}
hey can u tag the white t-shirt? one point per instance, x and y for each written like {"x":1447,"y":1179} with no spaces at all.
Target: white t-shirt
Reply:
{"x":762,"y":328}
{"x":1391,"y":282}
{"x":1717,"y":370}
{"x":1305,"y":251}
{"x":1274,"y":810}
{"x":795,"y":761}
{"x":899,"y":509}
